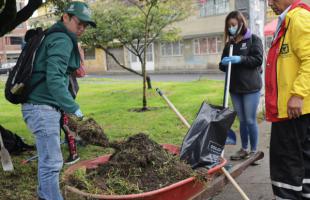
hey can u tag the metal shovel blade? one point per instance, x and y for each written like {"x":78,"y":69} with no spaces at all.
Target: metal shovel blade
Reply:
{"x":6,"y":161}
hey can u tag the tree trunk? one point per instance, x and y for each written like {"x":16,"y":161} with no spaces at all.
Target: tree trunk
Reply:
{"x":144,"y":100}
{"x":9,"y":19}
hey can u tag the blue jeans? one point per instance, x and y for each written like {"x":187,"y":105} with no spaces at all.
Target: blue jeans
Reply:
{"x":246,"y":107}
{"x":44,"y":123}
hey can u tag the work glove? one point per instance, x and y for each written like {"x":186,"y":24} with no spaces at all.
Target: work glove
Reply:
{"x":78,"y":113}
{"x":232,"y":59}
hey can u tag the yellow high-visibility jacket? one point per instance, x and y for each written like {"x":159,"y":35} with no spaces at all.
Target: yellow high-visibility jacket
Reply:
{"x":291,"y":67}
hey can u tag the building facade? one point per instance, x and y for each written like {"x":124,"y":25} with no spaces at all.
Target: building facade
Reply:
{"x":202,"y":40}
{"x":199,"y":49}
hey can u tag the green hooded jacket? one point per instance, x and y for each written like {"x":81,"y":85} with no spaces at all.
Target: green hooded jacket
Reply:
{"x":55,"y":60}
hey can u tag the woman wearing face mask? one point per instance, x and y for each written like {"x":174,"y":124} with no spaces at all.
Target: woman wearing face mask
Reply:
{"x":245,"y":82}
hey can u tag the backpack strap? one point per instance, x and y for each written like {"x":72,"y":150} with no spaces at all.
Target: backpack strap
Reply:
{"x":46,"y":33}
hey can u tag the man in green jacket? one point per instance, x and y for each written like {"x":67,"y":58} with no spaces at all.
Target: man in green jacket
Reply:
{"x":57,"y":57}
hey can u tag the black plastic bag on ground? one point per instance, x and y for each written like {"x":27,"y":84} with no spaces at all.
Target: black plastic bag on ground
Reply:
{"x":14,"y":143}
{"x":205,"y":140}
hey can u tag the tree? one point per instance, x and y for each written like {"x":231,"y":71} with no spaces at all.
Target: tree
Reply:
{"x":135,"y":25}
{"x":10,"y":18}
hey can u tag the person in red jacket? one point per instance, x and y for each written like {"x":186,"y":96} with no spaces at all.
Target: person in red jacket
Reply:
{"x":287,"y":93}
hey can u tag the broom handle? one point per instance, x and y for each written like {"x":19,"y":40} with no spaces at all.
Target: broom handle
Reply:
{"x":228,"y":78}
{"x":227,"y":174}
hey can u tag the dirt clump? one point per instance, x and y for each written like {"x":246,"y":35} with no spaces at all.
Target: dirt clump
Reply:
{"x":88,"y":130}
{"x":138,"y":165}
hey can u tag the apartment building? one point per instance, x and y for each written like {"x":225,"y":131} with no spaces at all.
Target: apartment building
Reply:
{"x":11,"y":43}
{"x":202,"y":40}
{"x":199,"y":49}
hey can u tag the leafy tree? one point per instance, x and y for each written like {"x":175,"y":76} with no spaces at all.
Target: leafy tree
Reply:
{"x":135,"y":25}
{"x":10,"y":18}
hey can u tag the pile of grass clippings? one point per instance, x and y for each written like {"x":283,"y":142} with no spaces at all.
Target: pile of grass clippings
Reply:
{"x":89,"y":131}
{"x":138,"y":165}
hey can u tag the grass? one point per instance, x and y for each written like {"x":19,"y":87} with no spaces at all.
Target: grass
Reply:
{"x":110,"y":104}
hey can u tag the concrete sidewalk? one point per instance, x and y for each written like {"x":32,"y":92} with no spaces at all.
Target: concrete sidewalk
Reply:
{"x":255,"y":180}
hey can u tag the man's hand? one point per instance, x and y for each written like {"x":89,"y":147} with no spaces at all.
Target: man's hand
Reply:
{"x":78,"y":113}
{"x":294,"y":107}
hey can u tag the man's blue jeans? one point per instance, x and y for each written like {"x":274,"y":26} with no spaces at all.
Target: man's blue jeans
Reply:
{"x":246,"y":107}
{"x":44,"y":123}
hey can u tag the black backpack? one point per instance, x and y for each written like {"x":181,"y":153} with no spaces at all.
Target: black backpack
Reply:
{"x":17,"y":87}
{"x":14,"y":143}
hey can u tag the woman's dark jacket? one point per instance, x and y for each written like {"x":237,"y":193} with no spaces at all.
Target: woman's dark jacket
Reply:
{"x":246,"y":75}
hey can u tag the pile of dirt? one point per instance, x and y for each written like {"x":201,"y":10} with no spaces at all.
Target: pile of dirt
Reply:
{"x":88,"y":130}
{"x":138,"y":165}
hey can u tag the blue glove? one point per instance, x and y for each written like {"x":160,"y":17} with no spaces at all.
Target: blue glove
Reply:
{"x":225,"y":61}
{"x":78,"y":113}
{"x":232,"y":59}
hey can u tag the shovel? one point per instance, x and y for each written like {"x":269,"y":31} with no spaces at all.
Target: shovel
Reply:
{"x":227,"y":84}
{"x":6,"y":161}
{"x":227,"y":174}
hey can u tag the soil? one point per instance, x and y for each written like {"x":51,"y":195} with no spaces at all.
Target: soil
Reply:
{"x":89,"y":131}
{"x":137,"y":165}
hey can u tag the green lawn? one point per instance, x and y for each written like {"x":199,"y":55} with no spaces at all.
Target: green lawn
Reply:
{"x":110,"y":103}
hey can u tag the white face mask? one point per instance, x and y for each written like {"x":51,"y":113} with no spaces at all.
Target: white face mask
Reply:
{"x":233,"y":30}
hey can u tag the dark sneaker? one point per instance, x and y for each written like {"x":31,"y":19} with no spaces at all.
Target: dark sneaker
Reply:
{"x":72,"y":159}
{"x":239,"y":155}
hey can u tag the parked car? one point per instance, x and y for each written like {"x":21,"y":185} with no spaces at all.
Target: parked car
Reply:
{"x":5,"y":68}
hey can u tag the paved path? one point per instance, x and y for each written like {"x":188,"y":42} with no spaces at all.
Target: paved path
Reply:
{"x":165,"y":77}
{"x":255,"y":180}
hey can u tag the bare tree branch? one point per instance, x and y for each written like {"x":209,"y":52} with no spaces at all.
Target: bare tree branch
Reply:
{"x":8,"y":12}
{"x":123,"y":66}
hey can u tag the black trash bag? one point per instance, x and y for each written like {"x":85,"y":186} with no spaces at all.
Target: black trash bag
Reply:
{"x":205,"y":140}
{"x":14,"y":143}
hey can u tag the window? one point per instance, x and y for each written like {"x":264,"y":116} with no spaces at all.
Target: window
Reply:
{"x":149,"y":53}
{"x":16,"y":40}
{"x":90,"y":54}
{"x":213,"y":7}
{"x":12,"y":58}
{"x":208,"y":45}
{"x":134,"y":58}
{"x":171,"y":48}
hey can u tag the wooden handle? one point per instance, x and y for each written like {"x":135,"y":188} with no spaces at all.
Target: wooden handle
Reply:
{"x":230,"y":178}
{"x":173,"y":108}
